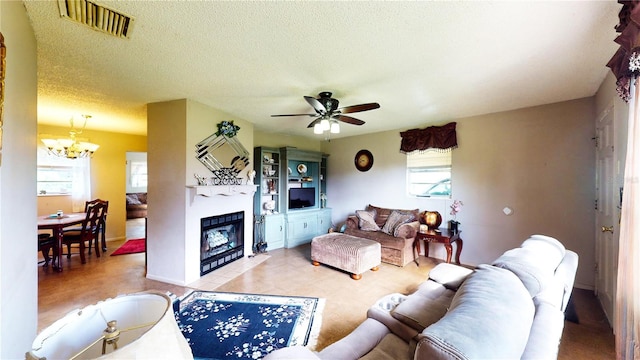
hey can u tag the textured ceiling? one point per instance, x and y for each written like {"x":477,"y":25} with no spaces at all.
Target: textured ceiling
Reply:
{"x":424,"y":62}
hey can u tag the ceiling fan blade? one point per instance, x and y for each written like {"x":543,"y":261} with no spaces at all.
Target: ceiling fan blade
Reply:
{"x":358,"y":108}
{"x":317,"y":105}
{"x":348,"y":119}
{"x":295,"y":115}
{"x":312,"y":124}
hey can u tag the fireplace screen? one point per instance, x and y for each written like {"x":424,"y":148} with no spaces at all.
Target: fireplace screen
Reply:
{"x":221,"y":240}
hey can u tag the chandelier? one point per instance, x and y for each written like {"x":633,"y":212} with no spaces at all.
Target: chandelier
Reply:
{"x":71,"y":147}
{"x":327,"y":124}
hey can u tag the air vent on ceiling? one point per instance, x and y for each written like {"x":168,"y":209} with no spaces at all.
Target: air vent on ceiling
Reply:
{"x":97,"y":17}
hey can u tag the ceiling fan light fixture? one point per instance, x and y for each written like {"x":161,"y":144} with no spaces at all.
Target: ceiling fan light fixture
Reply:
{"x":328,"y":116}
{"x":324,"y":123}
{"x":335,"y":127}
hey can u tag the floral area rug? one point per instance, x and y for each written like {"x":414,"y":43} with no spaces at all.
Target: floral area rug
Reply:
{"x":219,"y":325}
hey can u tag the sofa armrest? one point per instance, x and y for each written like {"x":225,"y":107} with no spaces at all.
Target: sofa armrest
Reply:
{"x":397,"y":327}
{"x":358,"y":343}
{"x":566,"y":273}
{"x":408,"y":230}
{"x":352,"y":222}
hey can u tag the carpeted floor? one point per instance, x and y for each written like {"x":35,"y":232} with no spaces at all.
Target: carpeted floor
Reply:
{"x":220,"y":325}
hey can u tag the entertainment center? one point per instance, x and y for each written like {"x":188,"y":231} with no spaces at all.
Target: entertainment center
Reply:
{"x":289,"y":206}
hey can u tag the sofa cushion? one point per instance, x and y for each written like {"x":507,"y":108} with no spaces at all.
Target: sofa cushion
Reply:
{"x":449,"y":275}
{"x":367,"y":220}
{"x":424,"y":307}
{"x":529,"y":267}
{"x":385,"y":240}
{"x":383,"y":213}
{"x":550,"y":251}
{"x":395,"y":219}
{"x":132,"y":199}
{"x":490,"y":317}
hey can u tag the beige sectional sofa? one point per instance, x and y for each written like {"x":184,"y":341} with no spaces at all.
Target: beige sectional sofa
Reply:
{"x":510,"y":309}
{"x":396,"y":239}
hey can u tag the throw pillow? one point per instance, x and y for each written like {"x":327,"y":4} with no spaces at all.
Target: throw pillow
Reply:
{"x":367,"y":220}
{"x":395,"y":219}
{"x":132,"y":199}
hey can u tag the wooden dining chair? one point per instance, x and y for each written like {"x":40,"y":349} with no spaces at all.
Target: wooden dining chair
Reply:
{"x":103,"y":225}
{"x":88,"y":232}
{"x":46,"y":242}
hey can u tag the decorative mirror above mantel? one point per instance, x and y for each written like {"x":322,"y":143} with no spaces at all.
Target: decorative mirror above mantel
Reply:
{"x":223,"y":154}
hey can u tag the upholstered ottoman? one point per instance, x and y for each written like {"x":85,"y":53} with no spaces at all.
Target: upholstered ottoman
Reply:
{"x":345,"y":252}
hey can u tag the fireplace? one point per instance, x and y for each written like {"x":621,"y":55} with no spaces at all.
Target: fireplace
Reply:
{"x":221,"y":240}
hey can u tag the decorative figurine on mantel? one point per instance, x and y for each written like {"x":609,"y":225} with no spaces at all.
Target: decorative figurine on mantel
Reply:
{"x":250,"y":176}
{"x":202,"y":181}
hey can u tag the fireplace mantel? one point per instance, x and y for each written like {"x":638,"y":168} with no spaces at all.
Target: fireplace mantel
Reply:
{"x":224,"y":190}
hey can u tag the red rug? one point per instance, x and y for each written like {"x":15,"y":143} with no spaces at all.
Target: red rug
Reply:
{"x":130,"y":247}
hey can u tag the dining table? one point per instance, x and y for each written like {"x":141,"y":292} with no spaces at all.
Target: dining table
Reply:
{"x":57,"y":224}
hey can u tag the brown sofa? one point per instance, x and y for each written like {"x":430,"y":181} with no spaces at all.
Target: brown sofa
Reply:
{"x":136,"y":205}
{"x":397,"y":249}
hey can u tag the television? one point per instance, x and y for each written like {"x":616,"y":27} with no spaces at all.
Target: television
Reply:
{"x":300,"y":198}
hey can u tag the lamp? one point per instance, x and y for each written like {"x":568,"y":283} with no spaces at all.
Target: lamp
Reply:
{"x":432,"y":219}
{"x":70,"y":147}
{"x":133,"y":326}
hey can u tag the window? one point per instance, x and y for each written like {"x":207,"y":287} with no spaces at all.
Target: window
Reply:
{"x":55,"y":180}
{"x":62,"y":176}
{"x":429,"y":173}
{"x":139,"y":174}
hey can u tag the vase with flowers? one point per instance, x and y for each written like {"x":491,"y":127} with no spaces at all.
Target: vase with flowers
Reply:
{"x":456,"y":206}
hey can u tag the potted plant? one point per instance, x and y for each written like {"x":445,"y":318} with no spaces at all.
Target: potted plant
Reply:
{"x":456,"y":206}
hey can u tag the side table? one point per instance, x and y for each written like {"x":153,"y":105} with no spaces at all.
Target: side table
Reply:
{"x":441,"y":236}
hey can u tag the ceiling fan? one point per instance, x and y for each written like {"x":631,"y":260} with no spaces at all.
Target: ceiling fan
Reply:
{"x":328,"y":114}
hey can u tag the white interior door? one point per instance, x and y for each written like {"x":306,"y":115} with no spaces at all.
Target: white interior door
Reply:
{"x":606,"y":213}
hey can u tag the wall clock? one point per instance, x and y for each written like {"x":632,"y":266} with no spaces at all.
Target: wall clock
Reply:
{"x":363,"y":160}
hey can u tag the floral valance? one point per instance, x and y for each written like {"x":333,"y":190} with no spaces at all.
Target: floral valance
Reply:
{"x":625,"y":63}
{"x":433,"y":137}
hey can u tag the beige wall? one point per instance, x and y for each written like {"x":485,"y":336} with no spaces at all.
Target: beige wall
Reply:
{"x":108,"y":175}
{"x":280,"y":140}
{"x":174,"y":128}
{"x":18,"y":225}
{"x":537,"y":161}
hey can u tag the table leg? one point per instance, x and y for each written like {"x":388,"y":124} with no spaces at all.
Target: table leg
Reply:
{"x":416,"y":245}
{"x":57,"y":251}
{"x":448,"y":247}
{"x":458,"y":250}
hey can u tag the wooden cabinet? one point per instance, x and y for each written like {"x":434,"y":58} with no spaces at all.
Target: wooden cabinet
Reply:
{"x":274,"y":231}
{"x":291,"y":218}
{"x":268,"y":175}
{"x":301,"y":228}
{"x":324,"y":220}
